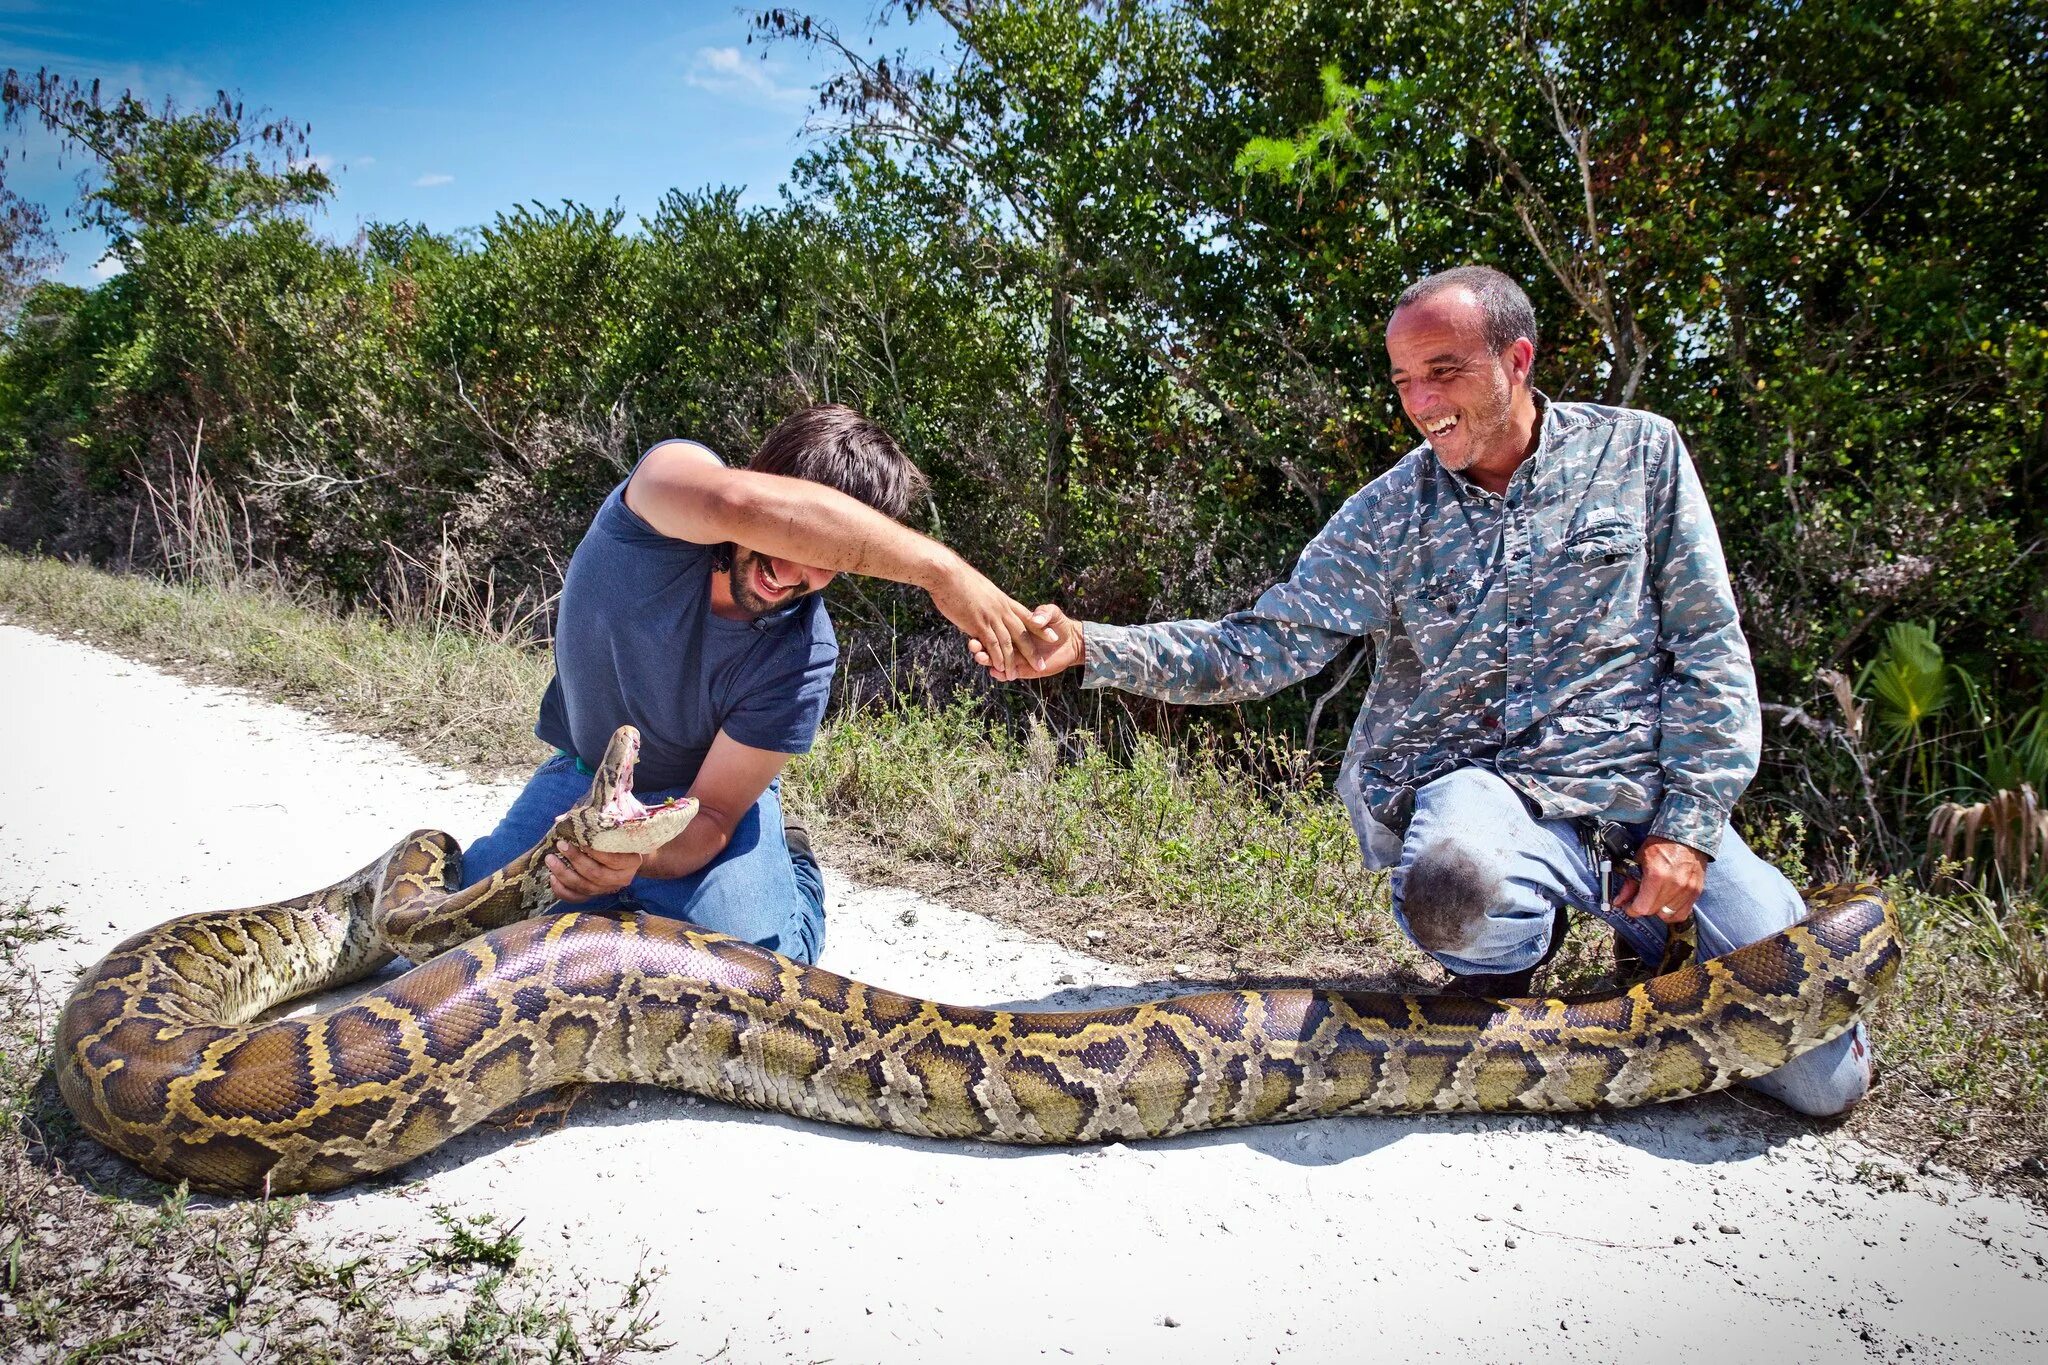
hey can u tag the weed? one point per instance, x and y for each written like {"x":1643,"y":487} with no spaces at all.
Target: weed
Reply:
{"x":1879,"y":1177}
{"x":469,"y":1242}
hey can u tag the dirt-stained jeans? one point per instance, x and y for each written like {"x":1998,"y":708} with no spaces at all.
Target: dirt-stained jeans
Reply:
{"x":1485,"y":878}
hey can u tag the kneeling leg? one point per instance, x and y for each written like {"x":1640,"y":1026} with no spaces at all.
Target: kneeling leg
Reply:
{"x":1746,"y":899}
{"x":1481,"y":882}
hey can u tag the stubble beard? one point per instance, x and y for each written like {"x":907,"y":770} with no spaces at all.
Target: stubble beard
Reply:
{"x":1483,"y":429}
{"x":743,"y":595}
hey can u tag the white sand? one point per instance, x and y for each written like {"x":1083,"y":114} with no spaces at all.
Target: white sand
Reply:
{"x":130,"y":796}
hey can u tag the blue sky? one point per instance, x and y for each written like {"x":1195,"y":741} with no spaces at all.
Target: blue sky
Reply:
{"x":448,"y":113}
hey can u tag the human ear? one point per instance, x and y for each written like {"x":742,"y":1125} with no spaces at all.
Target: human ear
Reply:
{"x":1522,"y":359}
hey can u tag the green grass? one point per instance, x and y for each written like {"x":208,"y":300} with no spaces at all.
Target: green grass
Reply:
{"x":1171,"y":854}
{"x":466,"y":699}
{"x":1172,"y":847}
{"x":1966,"y":1043}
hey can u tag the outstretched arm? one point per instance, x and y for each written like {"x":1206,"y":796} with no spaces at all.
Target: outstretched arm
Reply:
{"x":1336,"y":593}
{"x":682,"y":490}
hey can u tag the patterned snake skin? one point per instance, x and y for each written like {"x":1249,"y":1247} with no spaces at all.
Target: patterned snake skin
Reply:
{"x":159,"y":1059}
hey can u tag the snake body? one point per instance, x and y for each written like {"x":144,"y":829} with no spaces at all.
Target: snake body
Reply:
{"x":162,"y":1058}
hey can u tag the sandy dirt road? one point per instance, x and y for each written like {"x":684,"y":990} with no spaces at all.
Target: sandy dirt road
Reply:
{"x":1708,"y":1231}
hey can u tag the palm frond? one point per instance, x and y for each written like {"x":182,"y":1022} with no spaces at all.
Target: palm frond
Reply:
{"x":1909,"y":679}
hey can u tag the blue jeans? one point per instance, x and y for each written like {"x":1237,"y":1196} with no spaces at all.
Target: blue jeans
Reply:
{"x":752,"y":890}
{"x":1487,"y":878}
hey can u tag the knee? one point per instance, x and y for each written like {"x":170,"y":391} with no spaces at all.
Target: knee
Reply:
{"x":1826,"y":1082}
{"x":1445,"y":897}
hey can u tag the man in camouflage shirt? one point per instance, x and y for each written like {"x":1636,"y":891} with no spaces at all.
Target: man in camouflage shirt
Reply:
{"x":1556,"y":648}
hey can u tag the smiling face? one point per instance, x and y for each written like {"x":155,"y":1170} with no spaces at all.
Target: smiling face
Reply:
{"x":760,"y":584}
{"x":1471,"y":403}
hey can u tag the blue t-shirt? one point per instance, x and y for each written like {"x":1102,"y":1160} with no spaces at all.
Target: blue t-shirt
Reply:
{"x":636,"y":642}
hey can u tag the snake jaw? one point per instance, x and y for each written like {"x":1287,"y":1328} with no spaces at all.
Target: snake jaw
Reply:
{"x":626,"y":825}
{"x":621,"y":822}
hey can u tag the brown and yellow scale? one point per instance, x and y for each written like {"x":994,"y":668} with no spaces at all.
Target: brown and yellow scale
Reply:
{"x":160,"y":1060}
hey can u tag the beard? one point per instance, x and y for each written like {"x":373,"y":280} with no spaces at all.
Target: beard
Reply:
{"x":1480,"y":429}
{"x":743,"y":567}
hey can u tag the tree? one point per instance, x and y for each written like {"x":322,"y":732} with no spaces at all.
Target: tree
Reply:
{"x":1033,"y":156}
{"x":211,"y":168}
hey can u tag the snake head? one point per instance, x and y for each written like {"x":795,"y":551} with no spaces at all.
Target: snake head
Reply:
{"x":611,"y":819}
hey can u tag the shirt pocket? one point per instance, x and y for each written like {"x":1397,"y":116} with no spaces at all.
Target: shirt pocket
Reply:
{"x":1605,"y":541}
{"x":1622,"y":739}
{"x":1611,"y":724}
{"x":1597,"y":596}
{"x":1433,"y":616}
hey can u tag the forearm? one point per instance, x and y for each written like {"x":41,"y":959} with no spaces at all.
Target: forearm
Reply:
{"x":1236,"y":659}
{"x":703,"y":839}
{"x":812,"y":524}
{"x":1706,"y":766}
{"x":1336,"y":593}
{"x":1712,"y":727}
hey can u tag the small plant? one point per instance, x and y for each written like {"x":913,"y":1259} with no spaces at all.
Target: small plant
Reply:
{"x":1910,"y":680}
{"x":471,"y":1242}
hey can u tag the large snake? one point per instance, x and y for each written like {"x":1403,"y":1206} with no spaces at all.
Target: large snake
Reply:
{"x":161,"y":1056}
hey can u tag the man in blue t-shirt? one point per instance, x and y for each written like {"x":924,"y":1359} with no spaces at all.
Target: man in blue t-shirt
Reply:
{"x":691,"y":610}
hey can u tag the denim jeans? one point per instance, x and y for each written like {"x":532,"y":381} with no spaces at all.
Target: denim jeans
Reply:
{"x":752,"y":890}
{"x":1473,"y":840}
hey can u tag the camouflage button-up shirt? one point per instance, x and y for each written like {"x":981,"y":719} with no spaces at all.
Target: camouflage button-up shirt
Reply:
{"x":1576,"y":635}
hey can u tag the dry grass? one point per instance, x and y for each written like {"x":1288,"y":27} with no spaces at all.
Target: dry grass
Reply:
{"x":465,"y":699}
{"x":1173,"y":860}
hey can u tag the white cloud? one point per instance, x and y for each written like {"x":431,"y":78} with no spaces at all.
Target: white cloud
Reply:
{"x":723,"y":71}
{"x":429,"y":181}
{"x":107,"y":266}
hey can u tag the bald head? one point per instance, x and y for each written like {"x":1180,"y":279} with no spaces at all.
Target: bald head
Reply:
{"x":1502,"y":311}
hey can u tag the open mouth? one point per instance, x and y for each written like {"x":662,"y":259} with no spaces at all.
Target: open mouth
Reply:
{"x":768,"y":587}
{"x":1440,"y":426}
{"x":624,"y":808}
{"x":627,"y":809}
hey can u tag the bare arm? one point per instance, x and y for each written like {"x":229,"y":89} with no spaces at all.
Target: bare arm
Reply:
{"x":681,"y":490}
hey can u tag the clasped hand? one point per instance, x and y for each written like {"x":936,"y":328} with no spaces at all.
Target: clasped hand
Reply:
{"x":1067,"y":649}
{"x":1017,"y":636}
{"x":577,"y":874}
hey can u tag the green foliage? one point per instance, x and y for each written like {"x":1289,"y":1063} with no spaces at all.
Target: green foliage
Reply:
{"x":1115,"y":274}
{"x":1910,"y":680}
{"x":2016,"y":754}
{"x":210,"y":168}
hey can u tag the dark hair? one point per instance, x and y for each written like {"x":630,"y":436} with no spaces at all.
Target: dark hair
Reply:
{"x":830,"y":443}
{"x":1506,"y":310}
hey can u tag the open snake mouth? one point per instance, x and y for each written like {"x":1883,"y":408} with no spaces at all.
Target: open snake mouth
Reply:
{"x":623,"y":808}
{"x":627,"y":809}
